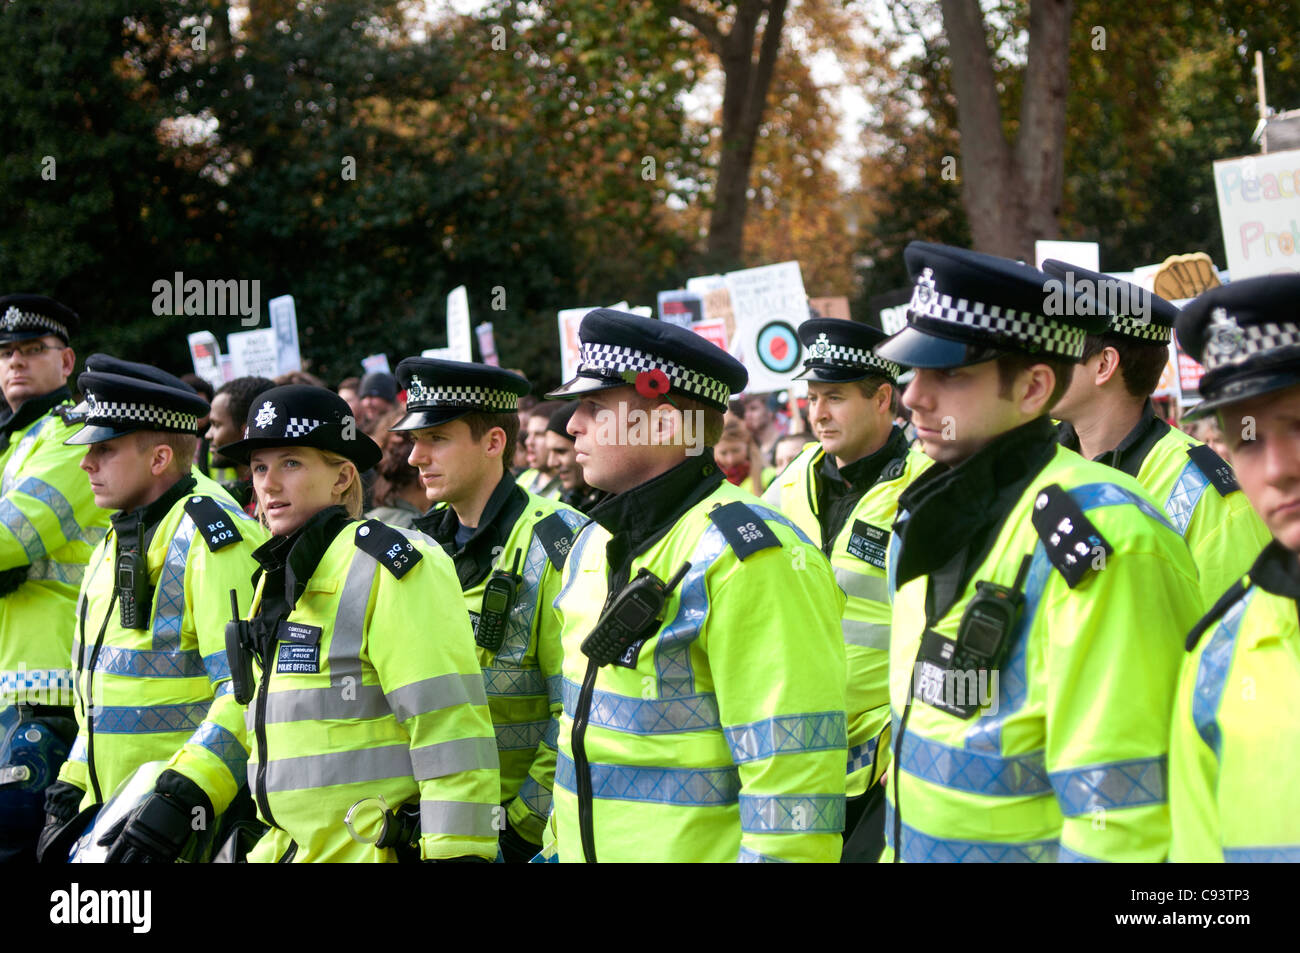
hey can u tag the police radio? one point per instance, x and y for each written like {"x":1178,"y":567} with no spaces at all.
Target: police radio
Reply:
{"x":631,"y":616}
{"x":498,"y":599}
{"x":239,"y":645}
{"x":991,"y":616}
{"x":132,"y":590}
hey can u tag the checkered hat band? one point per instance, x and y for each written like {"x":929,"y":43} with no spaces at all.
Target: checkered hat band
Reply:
{"x":110,"y":412}
{"x":300,"y":426}
{"x":1142,"y":330}
{"x":1052,"y":336}
{"x":491,"y":400}
{"x":13,"y":318}
{"x":609,"y":360}
{"x":1255,"y":339}
{"x":854,"y":357}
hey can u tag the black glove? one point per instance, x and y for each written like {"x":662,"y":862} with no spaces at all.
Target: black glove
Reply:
{"x":11,"y":579}
{"x":61,"y":800}
{"x":515,"y":848}
{"x":158,"y":830}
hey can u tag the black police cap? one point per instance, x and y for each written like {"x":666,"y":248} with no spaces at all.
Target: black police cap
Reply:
{"x":438,"y":392}
{"x":1247,"y":335}
{"x":115,"y":404}
{"x":836,"y":351}
{"x":300,"y":415}
{"x":968,"y":307}
{"x":107,"y":364}
{"x":616,"y":349}
{"x":1131,"y":310}
{"x":24,"y":316}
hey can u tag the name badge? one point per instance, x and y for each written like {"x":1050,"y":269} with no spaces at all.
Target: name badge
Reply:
{"x":869,"y":543}
{"x":293,"y":658}
{"x":298,"y":632}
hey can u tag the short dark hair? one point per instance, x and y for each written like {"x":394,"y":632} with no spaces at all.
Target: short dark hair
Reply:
{"x":199,"y":384}
{"x":1011,"y":363}
{"x":481,"y":422}
{"x":1140,"y":363}
{"x":868,"y":386}
{"x":349,"y":383}
{"x":242,"y":392}
{"x":545,"y":409}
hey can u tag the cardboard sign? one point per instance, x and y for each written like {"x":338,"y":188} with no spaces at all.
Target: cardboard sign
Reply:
{"x":830,"y":308}
{"x":284,"y":321}
{"x":715,"y":332}
{"x":376,"y":363}
{"x":682,"y":308}
{"x":253,"y":353}
{"x":458,"y":336}
{"x":1259,"y":211}
{"x":769,"y":304}
{"x":205,"y":354}
{"x":487,"y":344}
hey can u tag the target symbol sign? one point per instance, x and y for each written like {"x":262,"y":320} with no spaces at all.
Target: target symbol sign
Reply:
{"x":778,"y":347}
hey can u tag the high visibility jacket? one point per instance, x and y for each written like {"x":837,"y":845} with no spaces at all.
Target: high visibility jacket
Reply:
{"x":548,"y":488}
{"x":1233,"y":774}
{"x":794,"y":492}
{"x":1199,"y":494}
{"x":725,"y":740}
{"x":858,"y":557}
{"x":1065,"y":756}
{"x":374,"y":690}
{"x":162,"y":693}
{"x":49,"y":523}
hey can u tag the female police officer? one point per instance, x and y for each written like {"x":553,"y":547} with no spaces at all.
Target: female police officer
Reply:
{"x":368,"y":689}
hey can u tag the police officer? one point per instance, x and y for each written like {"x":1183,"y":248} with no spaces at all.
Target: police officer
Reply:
{"x":1233,"y":774}
{"x":852,"y":397}
{"x":1039,"y":596}
{"x":367,"y":720}
{"x":151,"y":672}
{"x":48,"y":526}
{"x":1108,"y":417}
{"x":508,"y":546}
{"x":704,"y":673}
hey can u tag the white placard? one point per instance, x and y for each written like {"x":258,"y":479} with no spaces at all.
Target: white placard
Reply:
{"x":252,"y":353}
{"x":1084,"y":254}
{"x":458,"y":336}
{"x":284,"y":321}
{"x":205,"y":353}
{"x":570,"y":318}
{"x":1259,"y":211}
{"x":769,"y":304}
{"x":487,"y":344}
{"x":376,"y":364}
{"x":438,"y":353}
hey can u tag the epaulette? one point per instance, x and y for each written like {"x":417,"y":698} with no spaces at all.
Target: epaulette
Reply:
{"x":744,"y":531}
{"x":1217,"y":470}
{"x":215,"y":524}
{"x":1071,"y":541}
{"x":390,"y":548}
{"x":69,"y":414}
{"x":556,"y":538}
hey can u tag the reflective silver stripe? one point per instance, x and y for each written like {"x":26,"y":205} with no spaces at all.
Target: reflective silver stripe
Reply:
{"x":1186,"y":493}
{"x":19,"y":455}
{"x":16,"y":521}
{"x":432,"y":694}
{"x":750,"y":856}
{"x":339,"y":767}
{"x":1119,"y":784}
{"x":869,"y":635}
{"x":786,"y":734}
{"x":142,"y":663}
{"x":169,"y":611}
{"x":48,"y":570}
{"x":521,"y":736}
{"x":858,"y":585}
{"x":58,"y":504}
{"x":519,"y":627}
{"x":461,"y":817}
{"x":349,"y":620}
{"x":514,"y":681}
{"x":451,"y":757}
{"x":791,"y":813}
{"x":352,"y":703}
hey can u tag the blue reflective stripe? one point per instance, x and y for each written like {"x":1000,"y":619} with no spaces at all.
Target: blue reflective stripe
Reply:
{"x":750,"y":856}
{"x":792,"y":813}
{"x":225,"y":746}
{"x":694,"y":787}
{"x":787,"y":734}
{"x":57,"y":502}
{"x":1212,"y":673}
{"x":217,"y":665}
{"x":169,"y":610}
{"x":19,"y":454}
{"x":1092,"y":495}
{"x":777,"y":517}
{"x":979,"y":772}
{"x":145,"y":663}
{"x":520,"y":736}
{"x":49,"y":570}
{"x":225,"y":688}
{"x":1262,"y":855}
{"x":554,"y":689}
{"x":1105,"y":786}
{"x":645,"y":716}
{"x":519,"y":626}
{"x":513,"y":681}
{"x":921,"y":848}
{"x":552,"y":736}
{"x":574,"y":562}
{"x":673,"y":651}
{"x":1067,"y":856}
{"x":536,"y":798}
{"x":17,"y":523}
{"x":125,"y":720}
{"x":1187,"y":492}
{"x":863,"y":755}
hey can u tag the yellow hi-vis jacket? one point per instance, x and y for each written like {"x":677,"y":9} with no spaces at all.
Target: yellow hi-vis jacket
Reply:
{"x":163,"y":693}
{"x":794,"y":492}
{"x":1233,"y":773}
{"x":374,"y":690}
{"x":49,"y":524}
{"x":725,"y":739}
{"x":1064,"y":755}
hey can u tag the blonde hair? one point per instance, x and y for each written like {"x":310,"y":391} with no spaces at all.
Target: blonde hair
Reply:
{"x":353,"y":494}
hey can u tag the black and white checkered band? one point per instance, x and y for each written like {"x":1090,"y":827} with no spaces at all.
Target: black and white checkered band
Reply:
{"x":422,"y":396}
{"x":110,"y":412}
{"x":611,"y":360}
{"x":14,"y":320}
{"x":298,"y":426}
{"x":822,"y":351}
{"x":1034,"y":329}
{"x":1228,"y":343}
{"x":1142,"y":330}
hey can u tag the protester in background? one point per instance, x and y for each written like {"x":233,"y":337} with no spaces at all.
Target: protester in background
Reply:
{"x":740,"y":459}
{"x":298,"y":377}
{"x":201,"y":454}
{"x":397,"y":493}
{"x":760,"y":418}
{"x":378,"y":397}
{"x":539,"y":478}
{"x":226,"y":419}
{"x":788,"y":447}
{"x":350,"y":390}
{"x":519,"y":465}
{"x":563,"y":461}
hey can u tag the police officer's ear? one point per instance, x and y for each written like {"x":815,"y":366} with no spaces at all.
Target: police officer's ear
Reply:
{"x":347,"y":473}
{"x":161,"y":456}
{"x":1107,"y":366}
{"x":495,"y":442}
{"x":1034,"y":388}
{"x":68,"y":359}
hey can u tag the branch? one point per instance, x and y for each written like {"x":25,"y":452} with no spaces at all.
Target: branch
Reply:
{"x":706,"y":25}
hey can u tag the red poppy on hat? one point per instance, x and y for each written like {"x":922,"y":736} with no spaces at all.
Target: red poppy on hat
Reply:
{"x":651,"y":384}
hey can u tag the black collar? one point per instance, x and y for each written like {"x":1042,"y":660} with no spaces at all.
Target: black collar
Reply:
{"x":953,"y":513}
{"x":292,"y":559}
{"x":857,"y":478}
{"x":474,"y":560}
{"x":1277,"y":570}
{"x":1129,"y":454}
{"x":863,"y":473}
{"x":11,"y":422}
{"x":145,"y":519}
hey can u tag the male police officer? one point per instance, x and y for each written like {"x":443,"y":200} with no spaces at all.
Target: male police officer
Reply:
{"x":852,"y":396}
{"x":1109,"y":418}
{"x":704,"y":670}
{"x":49,"y":524}
{"x":1039,"y":596}
{"x":151,"y":673}
{"x":1233,"y":774}
{"x":508,"y":546}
